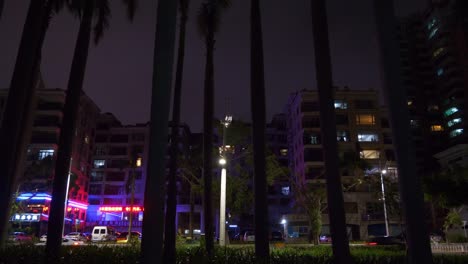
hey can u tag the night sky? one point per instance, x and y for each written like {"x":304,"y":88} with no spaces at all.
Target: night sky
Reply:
{"x":118,"y":76}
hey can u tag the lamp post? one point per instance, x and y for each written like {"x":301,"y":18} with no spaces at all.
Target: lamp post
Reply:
{"x":222,"y":198}
{"x":285,"y":230}
{"x":382,"y":173}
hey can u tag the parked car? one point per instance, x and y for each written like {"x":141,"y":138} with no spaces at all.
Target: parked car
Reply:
{"x":20,"y":237}
{"x":65,"y":242}
{"x":276,"y":236}
{"x":77,"y":236}
{"x":325,"y":238}
{"x":103,"y":233}
{"x":249,"y":236}
{"x":123,"y":237}
{"x":386,"y":241}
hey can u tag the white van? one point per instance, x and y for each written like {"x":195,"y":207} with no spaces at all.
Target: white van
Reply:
{"x":103,"y":233}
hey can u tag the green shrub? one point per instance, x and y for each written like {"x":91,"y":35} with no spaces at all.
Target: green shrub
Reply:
{"x":27,"y":254}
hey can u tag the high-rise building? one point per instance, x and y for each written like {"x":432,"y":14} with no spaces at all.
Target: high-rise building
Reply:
{"x":121,"y":153}
{"x":35,"y":177}
{"x":434,"y":48}
{"x":363,"y":130}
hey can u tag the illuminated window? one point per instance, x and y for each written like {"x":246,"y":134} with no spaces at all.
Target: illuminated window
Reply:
{"x":440,"y":72}
{"x":44,"y":153}
{"x":450,"y":111}
{"x":454,"y":122}
{"x":368,"y":137}
{"x":284,"y":152}
{"x":86,"y":139}
{"x":410,"y":102}
{"x":99,"y":164}
{"x":433,"y":32}
{"x":285,"y":190}
{"x":369,"y":154}
{"x":437,"y":128}
{"x":438,"y":52}
{"x":456,"y":132}
{"x":341,"y":104}
{"x":342,"y":136}
{"x":365,"y":119}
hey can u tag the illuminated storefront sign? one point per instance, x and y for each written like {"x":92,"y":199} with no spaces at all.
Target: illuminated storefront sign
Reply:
{"x":121,"y":209}
{"x":26,"y":217}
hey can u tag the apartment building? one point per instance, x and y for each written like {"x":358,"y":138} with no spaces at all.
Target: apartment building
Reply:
{"x":35,"y":180}
{"x":362,"y":129}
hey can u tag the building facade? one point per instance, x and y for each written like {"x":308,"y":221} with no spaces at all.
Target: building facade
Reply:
{"x":35,"y":179}
{"x":363,"y":130}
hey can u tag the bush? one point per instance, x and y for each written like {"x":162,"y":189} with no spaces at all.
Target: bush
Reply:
{"x":28,"y":254}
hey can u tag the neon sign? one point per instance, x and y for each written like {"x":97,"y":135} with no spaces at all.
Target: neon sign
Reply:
{"x":121,"y":209}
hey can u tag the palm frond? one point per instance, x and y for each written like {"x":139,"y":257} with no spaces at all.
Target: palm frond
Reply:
{"x":76,"y":7}
{"x":209,"y":15}
{"x":103,"y":14}
{"x":183,"y":6}
{"x":131,"y":6}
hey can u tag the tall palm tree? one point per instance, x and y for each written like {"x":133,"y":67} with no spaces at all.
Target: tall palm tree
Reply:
{"x":327,"y":119}
{"x":153,"y":221}
{"x":17,"y":114}
{"x":208,"y":22}
{"x":2,"y":4}
{"x":257,"y":97}
{"x":170,"y":228}
{"x":85,"y":9}
{"x":419,"y":250}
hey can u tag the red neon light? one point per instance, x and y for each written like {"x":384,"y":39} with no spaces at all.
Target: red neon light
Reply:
{"x":121,"y":209}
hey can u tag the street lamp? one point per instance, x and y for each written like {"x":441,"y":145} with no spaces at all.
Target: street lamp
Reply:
{"x":284,"y":223}
{"x":222,"y":198}
{"x":382,"y":173}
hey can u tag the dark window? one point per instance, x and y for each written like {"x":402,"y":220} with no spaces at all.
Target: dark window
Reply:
{"x":387,"y":138}
{"x":46,"y":121}
{"x":390,"y":154}
{"x":119,"y":164}
{"x":114,"y":190}
{"x":138,"y":137}
{"x":385,"y":123}
{"x":310,"y":122}
{"x":100,"y":138}
{"x":314,"y":173}
{"x":341,"y":119}
{"x":97,"y":176}
{"x":309,"y":106}
{"x":115,"y":176}
{"x":95,"y":189}
{"x":118,"y":151}
{"x":43,"y":105}
{"x":44,"y":138}
{"x":364,"y":104}
{"x":313,"y":154}
{"x":119,"y":138}
{"x":342,"y":136}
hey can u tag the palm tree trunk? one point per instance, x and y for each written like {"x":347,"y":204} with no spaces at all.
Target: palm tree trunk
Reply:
{"x":327,"y":119}
{"x":132,"y":201}
{"x":208,"y":116}
{"x":257,"y":97}
{"x":192,"y":205}
{"x":62,"y":165}
{"x":153,"y":221}
{"x":2,"y":4}
{"x":169,"y":255}
{"x":418,"y":243}
{"x":12,"y":134}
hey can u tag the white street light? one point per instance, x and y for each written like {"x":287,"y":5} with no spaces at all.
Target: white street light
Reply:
{"x":382,"y":172}
{"x":222,"y":161}
{"x":283,"y":221}
{"x":222,"y":198}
